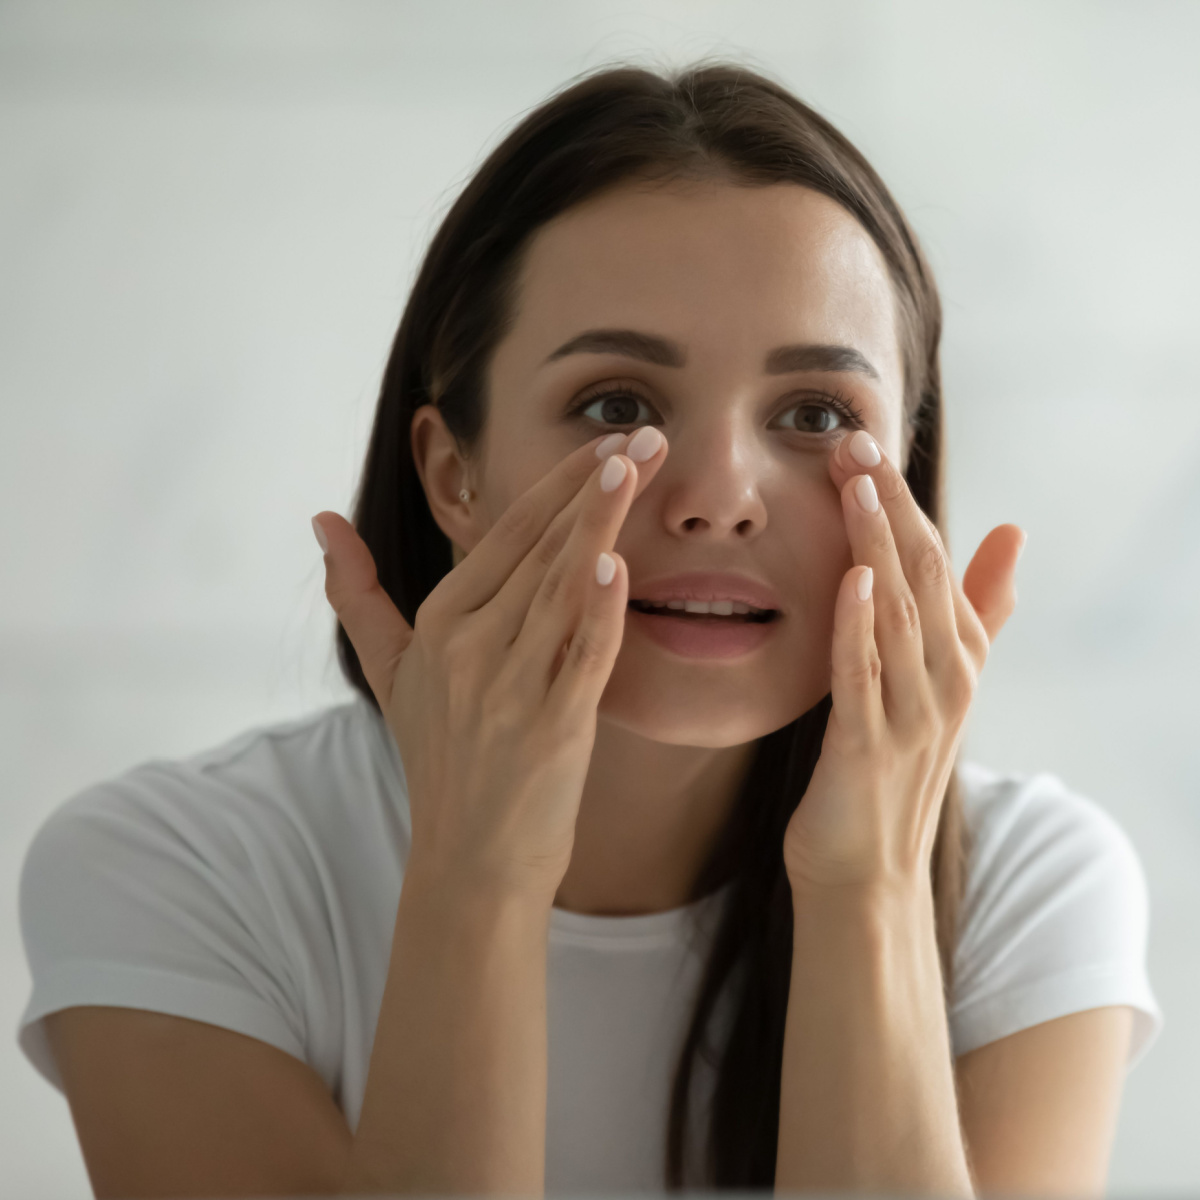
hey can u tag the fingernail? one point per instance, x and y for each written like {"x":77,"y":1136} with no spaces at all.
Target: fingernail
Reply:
{"x":863,"y":586}
{"x":1021,"y":547}
{"x":863,"y":449}
{"x":609,"y":445}
{"x":322,"y":541}
{"x":645,"y":444}
{"x":613,"y":473}
{"x":864,"y":492}
{"x":606,"y":568}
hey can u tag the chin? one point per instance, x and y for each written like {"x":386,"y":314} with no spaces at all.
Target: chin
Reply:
{"x":713,"y":713}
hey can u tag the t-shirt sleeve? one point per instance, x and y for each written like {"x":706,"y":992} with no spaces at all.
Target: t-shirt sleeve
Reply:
{"x":1055,"y":915}
{"x":151,"y":892}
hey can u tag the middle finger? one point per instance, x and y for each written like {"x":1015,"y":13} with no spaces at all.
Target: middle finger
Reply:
{"x":925,"y":565}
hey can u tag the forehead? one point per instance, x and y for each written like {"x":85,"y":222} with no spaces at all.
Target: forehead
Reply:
{"x":727,"y":270}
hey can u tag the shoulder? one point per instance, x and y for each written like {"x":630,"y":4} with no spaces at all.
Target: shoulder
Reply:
{"x":1033,"y":831}
{"x":216,"y":887}
{"x":262,"y":815}
{"x":1055,"y":912}
{"x":274,"y":780}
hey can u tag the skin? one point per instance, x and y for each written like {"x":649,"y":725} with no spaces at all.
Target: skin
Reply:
{"x":870,"y":1098}
{"x":729,"y":273}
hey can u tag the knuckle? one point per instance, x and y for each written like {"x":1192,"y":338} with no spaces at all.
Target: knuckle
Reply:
{"x":890,"y":484}
{"x":901,"y":614}
{"x":554,"y":587}
{"x":587,"y":652}
{"x":960,"y":688}
{"x":863,"y":672}
{"x":918,"y":720}
{"x":931,"y":569}
{"x":548,"y":547}
{"x":879,"y":540}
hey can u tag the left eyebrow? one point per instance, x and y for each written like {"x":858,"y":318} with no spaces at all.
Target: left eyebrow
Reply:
{"x":661,"y":352}
{"x":784,"y":359}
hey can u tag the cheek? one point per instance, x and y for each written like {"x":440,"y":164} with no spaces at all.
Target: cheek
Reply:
{"x":509,"y":467}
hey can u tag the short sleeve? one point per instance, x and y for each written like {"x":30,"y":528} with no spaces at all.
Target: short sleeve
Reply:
{"x":1055,"y":915}
{"x":130,"y":898}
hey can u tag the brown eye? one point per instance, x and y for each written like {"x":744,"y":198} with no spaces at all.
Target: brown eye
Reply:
{"x":616,"y":407}
{"x":829,"y":414}
{"x":816,"y":418}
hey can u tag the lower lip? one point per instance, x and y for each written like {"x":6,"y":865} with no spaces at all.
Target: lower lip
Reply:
{"x":694,"y":638}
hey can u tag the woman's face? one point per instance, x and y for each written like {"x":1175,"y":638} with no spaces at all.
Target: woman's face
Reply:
{"x":726,"y":277}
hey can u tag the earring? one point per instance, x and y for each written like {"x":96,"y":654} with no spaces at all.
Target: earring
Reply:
{"x":464,"y":495}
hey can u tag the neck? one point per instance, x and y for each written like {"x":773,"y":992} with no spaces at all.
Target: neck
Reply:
{"x":650,"y":816}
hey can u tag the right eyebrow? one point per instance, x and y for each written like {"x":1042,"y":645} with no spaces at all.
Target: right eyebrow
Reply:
{"x":627,"y":342}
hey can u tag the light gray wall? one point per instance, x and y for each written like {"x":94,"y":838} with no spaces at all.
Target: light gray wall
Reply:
{"x":209,"y":214}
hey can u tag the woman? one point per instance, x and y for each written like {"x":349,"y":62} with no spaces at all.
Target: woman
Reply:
{"x":643,"y":859}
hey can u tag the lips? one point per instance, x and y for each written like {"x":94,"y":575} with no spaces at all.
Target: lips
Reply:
{"x":706,"y":585}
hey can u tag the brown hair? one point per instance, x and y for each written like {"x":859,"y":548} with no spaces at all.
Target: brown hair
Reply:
{"x":612,"y":126}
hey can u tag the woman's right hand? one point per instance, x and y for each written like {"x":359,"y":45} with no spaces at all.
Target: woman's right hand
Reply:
{"x":492,"y":694}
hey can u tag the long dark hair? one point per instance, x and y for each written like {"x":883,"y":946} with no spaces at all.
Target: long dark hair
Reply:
{"x":612,"y":126}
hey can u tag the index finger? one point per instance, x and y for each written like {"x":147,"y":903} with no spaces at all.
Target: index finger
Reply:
{"x":494,"y":558}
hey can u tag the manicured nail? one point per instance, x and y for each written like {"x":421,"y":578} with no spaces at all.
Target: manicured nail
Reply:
{"x":322,"y":541}
{"x":613,"y":473}
{"x":863,"y":449}
{"x":864,"y":492}
{"x":645,"y":444}
{"x":1021,"y":547}
{"x":863,"y":586}
{"x":609,"y":445}
{"x":606,"y":568}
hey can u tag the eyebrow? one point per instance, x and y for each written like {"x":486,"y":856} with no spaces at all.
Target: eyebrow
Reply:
{"x":661,"y":352}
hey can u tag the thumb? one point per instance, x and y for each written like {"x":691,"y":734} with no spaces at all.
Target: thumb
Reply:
{"x":377,"y":631}
{"x":988,"y":579}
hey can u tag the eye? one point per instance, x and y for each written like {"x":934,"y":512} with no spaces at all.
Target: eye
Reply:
{"x":615,"y":406}
{"x":816,"y":415}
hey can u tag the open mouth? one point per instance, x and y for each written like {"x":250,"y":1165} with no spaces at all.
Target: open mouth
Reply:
{"x":676,"y":608}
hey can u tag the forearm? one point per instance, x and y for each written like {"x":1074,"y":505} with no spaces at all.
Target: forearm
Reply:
{"x":868,"y":1096}
{"x":455,"y":1099}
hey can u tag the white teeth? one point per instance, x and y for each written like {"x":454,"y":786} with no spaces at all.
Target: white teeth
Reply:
{"x":720,"y":608}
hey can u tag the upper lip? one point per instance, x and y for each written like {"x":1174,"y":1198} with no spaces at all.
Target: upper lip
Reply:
{"x":707,"y":585}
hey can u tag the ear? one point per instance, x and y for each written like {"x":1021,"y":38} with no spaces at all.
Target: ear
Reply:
{"x":443,"y":475}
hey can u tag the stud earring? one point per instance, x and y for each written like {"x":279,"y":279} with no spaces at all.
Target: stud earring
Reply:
{"x":464,"y":495}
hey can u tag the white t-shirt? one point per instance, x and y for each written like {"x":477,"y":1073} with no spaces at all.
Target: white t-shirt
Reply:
{"x":254,"y":886}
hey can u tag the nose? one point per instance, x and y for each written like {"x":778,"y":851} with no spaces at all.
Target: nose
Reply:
{"x":710,"y":483}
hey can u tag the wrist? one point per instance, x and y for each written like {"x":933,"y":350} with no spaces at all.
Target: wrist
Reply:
{"x":878,"y":918}
{"x":471,"y":897}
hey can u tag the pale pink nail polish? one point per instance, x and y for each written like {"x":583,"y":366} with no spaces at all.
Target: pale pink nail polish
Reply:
{"x":645,"y":444}
{"x":322,"y":540}
{"x":863,"y":449}
{"x":866,"y":495}
{"x":609,"y":445}
{"x":863,"y":586}
{"x":612,"y":475}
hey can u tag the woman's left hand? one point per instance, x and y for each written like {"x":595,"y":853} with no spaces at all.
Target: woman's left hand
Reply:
{"x":905,"y":664}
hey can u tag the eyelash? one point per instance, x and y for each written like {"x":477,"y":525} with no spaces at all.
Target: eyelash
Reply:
{"x":835,"y":401}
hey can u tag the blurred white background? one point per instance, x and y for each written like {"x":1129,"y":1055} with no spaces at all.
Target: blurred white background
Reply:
{"x":209,"y":216}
